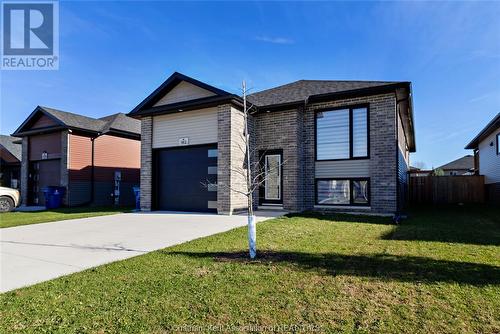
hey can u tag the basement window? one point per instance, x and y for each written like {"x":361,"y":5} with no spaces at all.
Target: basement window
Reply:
{"x":342,"y":192}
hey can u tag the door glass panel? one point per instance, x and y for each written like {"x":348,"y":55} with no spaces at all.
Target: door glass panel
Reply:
{"x":273,"y":177}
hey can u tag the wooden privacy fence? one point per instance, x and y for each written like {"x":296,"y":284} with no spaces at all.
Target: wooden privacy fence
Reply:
{"x":446,"y":189}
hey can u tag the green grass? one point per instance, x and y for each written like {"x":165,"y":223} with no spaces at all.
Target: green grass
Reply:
{"x":438,"y":272}
{"x":10,"y":219}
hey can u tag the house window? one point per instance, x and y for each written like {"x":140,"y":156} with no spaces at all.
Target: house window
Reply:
{"x":498,"y":144}
{"x":342,"y":134}
{"x":342,"y":192}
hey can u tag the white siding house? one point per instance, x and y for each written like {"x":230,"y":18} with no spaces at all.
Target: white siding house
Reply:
{"x":486,"y":146}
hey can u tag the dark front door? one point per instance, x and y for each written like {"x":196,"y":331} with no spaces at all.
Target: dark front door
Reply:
{"x":186,"y":178}
{"x":42,"y":174}
{"x":271,"y":191}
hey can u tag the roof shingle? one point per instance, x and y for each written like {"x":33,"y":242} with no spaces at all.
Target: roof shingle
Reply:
{"x":9,"y":143}
{"x":118,"y":122}
{"x":465,"y":162}
{"x":301,"y":90}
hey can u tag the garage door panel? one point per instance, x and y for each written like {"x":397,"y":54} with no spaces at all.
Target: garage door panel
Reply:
{"x":182,"y":174}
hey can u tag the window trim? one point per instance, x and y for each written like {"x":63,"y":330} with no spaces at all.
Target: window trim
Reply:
{"x":351,"y":200}
{"x":350,"y":108}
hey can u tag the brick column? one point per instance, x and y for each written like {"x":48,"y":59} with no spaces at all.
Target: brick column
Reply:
{"x":383,"y":154}
{"x":146,"y":162}
{"x":24,"y":171}
{"x":65,"y":152}
{"x":224,"y":159}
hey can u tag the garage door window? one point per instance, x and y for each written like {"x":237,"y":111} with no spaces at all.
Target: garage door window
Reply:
{"x":212,"y":153}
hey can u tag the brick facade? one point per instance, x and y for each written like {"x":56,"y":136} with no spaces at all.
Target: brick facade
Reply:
{"x":282,"y":130}
{"x":146,"y":163}
{"x":383,"y":149}
{"x":231,"y":160}
{"x":293,"y":132}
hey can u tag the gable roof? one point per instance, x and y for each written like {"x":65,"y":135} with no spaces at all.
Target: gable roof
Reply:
{"x":119,"y":123}
{"x":168,"y":85}
{"x":72,"y":120}
{"x":465,"y":162}
{"x":302,"y":90}
{"x":488,"y":129}
{"x":283,"y":97}
{"x":12,"y":145}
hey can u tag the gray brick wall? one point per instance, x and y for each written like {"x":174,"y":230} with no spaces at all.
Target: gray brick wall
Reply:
{"x":283,"y":130}
{"x":292,"y":131}
{"x":146,"y":162}
{"x":24,"y":171}
{"x":383,"y":148}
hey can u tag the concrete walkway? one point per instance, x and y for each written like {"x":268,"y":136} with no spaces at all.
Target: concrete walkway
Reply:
{"x":36,"y":253}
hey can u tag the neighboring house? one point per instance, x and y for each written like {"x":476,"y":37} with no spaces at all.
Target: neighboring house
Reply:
{"x":417,"y":172}
{"x":461,"y":166}
{"x":341,"y":145}
{"x":10,"y":161}
{"x":85,"y":155}
{"x":486,"y":146}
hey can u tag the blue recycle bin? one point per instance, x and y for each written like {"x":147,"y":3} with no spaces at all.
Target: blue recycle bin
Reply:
{"x":137,"y":193}
{"x":53,"y":196}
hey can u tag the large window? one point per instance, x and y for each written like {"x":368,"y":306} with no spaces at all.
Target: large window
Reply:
{"x":342,"y":134}
{"x":342,"y":192}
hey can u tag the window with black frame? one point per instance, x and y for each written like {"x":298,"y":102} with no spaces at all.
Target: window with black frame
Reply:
{"x":498,"y":144}
{"x":342,"y":192}
{"x":342,"y":134}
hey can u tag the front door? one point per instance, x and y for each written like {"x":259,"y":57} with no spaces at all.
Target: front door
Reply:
{"x":271,"y":188}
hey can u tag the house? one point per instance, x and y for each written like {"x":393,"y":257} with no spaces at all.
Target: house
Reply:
{"x":417,"y":172}
{"x":486,"y":146}
{"x":97,"y":160}
{"x":461,"y":166}
{"x":10,"y":161}
{"x":334,"y":145}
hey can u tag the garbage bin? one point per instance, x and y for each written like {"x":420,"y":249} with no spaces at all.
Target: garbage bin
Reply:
{"x":53,"y":196}
{"x":137,"y":193}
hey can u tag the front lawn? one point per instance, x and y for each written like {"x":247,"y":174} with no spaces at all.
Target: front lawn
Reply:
{"x":438,"y":272}
{"x":10,"y":219}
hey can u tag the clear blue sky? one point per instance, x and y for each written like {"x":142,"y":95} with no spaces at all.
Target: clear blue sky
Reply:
{"x":112,"y":54}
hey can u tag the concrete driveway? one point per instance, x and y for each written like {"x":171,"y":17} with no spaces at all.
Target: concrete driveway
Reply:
{"x":36,"y":253}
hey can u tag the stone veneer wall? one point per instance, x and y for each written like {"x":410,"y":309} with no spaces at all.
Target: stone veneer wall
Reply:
{"x":146,"y":162}
{"x":383,"y":150}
